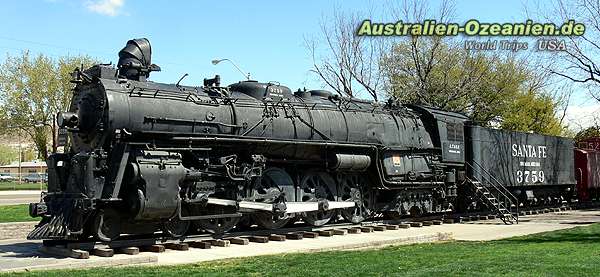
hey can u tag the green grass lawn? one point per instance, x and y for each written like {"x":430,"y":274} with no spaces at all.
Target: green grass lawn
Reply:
{"x":15,"y":213}
{"x":23,"y":186}
{"x":574,"y":252}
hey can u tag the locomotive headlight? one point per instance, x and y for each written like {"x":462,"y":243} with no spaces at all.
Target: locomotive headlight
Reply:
{"x":67,"y":120}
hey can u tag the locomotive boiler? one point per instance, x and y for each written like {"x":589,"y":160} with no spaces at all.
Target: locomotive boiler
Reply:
{"x":146,"y":157}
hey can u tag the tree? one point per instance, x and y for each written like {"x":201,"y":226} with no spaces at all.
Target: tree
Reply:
{"x":451,"y":79}
{"x":491,"y":89}
{"x":32,"y":91}
{"x":438,"y":72}
{"x":351,"y":64}
{"x":8,"y":154}
{"x":538,"y":117}
{"x":590,"y":132}
{"x":348,"y":64}
{"x":580,"y":59}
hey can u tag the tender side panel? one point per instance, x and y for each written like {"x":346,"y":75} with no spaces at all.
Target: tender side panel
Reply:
{"x":522,"y":159}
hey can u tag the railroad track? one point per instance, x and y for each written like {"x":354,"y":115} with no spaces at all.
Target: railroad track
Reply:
{"x":133,"y":245}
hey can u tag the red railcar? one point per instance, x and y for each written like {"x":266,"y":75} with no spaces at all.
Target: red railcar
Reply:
{"x":587,"y":169}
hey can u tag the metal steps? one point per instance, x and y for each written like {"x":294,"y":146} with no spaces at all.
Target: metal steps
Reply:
{"x":494,"y":195}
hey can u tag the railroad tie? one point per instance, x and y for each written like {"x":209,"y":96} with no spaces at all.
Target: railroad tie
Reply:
{"x":258,"y":239}
{"x":65,"y":252}
{"x":392,"y":227}
{"x":404,"y":225}
{"x":219,"y":242}
{"x":200,"y":244}
{"x":277,"y":237}
{"x":437,"y":222}
{"x":158,"y":248}
{"x":294,"y":236}
{"x":182,"y":246}
{"x":427,"y":223}
{"x":366,"y":229}
{"x":240,"y":241}
{"x":448,"y":220}
{"x":379,"y":228}
{"x":416,"y":224}
{"x":354,"y":230}
{"x":103,"y":252}
{"x":326,"y":233}
{"x":340,"y":232}
{"x":311,"y":235}
{"x":131,"y":250}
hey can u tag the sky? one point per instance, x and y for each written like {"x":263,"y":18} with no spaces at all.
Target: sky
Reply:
{"x":264,"y":38}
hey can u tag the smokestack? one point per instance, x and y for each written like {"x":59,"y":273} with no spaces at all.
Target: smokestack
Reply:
{"x":135,"y":60}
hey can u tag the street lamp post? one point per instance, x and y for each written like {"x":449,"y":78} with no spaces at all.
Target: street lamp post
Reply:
{"x":20,"y":156}
{"x":246,"y":75}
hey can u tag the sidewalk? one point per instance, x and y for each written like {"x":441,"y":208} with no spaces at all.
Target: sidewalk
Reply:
{"x":20,"y":192}
{"x":15,"y":197}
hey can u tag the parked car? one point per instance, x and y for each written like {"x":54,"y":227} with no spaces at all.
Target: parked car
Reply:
{"x":5,"y":177}
{"x":35,"y":178}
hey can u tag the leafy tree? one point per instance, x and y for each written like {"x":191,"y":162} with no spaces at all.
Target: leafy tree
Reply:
{"x":8,"y":154}
{"x":587,"y":133}
{"x":32,"y":91}
{"x":436,"y":71}
{"x":532,"y":112}
{"x":491,"y":89}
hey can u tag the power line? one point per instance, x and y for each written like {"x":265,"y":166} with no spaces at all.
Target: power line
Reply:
{"x":54,"y":45}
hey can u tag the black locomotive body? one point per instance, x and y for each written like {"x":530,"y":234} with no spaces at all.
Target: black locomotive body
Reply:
{"x":146,"y":156}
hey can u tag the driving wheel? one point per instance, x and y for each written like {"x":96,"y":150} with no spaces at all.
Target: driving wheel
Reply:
{"x":217,"y":225}
{"x":176,"y":227}
{"x":274,"y":185}
{"x":316,"y":186}
{"x":355,"y":188}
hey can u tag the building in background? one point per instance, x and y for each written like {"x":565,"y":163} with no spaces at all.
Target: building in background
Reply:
{"x":25,"y":169}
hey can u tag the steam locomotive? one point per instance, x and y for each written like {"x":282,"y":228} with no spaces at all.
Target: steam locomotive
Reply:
{"x":145,"y":157}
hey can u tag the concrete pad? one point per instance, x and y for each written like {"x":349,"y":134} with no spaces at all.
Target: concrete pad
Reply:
{"x":365,"y":240}
{"x":24,"y":255}
{"x":16,"y":230}
{"x":19,"y":255}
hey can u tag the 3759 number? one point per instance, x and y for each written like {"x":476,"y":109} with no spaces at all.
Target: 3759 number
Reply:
{"x":527,"y":176}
